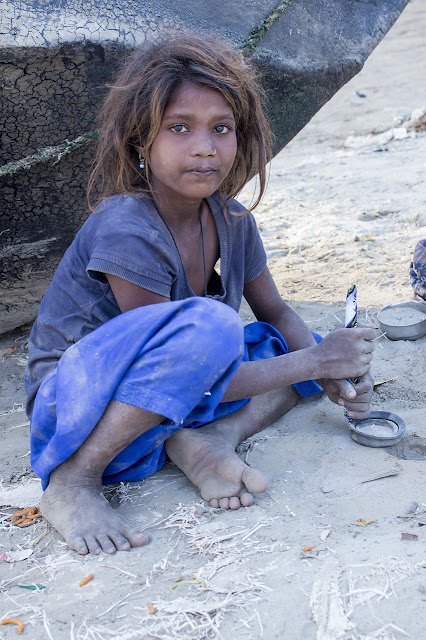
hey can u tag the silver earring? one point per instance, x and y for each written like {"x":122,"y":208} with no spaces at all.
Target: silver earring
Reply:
{"x":141,"y":161}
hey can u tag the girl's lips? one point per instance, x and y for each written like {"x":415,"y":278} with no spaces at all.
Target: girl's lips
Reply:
{"x":202,"y":171}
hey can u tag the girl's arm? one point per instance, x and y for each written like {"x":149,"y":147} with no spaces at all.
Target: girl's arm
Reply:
{"x":344,"y":353}
{"x":306,"y":361}
{"x":251,"y":378}
{"x":130,"y":296}
{"x":267,"y":305}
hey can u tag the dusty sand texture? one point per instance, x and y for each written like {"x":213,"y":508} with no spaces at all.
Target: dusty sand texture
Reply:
{"x":402,"y":317}
{"x":333,"y":216}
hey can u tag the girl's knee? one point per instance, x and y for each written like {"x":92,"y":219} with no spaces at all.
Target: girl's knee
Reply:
{"x":216,"y":320}
{"x":213,"y":326}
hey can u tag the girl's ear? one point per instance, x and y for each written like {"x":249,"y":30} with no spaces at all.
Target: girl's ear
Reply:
{"x":141,"y":160}
{"x":142,"y":152}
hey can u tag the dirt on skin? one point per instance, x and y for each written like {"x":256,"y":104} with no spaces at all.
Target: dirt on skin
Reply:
{"x":335,"y":548}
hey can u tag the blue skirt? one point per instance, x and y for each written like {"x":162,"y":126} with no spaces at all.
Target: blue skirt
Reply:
{"x":173,"y":358}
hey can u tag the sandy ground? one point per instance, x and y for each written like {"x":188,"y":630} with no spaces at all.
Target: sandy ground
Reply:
{"x":333,"y":215}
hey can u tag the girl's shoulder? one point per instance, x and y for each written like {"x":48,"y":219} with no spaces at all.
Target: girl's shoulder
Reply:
{"x":122,"y":215}
{"x":236,"y":216}
{"x":227,"y":206}
{"x":122,"y":207}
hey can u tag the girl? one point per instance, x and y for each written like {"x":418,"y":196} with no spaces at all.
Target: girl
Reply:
{"x":138,"y":340}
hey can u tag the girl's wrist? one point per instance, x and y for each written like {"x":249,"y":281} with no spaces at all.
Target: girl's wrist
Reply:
{"x":305,"y":364}
{"x":314,"y":369}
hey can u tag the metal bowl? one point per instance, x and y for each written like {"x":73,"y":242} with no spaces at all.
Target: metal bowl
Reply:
{"x":380,"y":429}
{"x":404,"y":331}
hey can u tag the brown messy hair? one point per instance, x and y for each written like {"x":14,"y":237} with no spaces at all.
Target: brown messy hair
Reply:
{"x":132,"y":113}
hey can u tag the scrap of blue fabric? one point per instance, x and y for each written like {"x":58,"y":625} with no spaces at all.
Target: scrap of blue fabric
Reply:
{"x":418,"y":271}
{"x":175,"y":359}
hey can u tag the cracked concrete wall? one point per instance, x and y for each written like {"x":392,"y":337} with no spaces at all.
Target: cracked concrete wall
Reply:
{"x":56,"y":58}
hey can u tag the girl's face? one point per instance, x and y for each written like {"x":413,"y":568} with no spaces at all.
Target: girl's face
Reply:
{"x":196,"y":145}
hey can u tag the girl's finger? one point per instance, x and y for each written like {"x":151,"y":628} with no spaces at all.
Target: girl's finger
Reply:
{"x":363,"y":325}
{"x":362,"y":394}
{"x":364,"y":369}
{"x":365,"y":333}
{"x":360,"y":398}
{"x":346,"y":389}
{"x":359,"y":415}
{"x":358,"y":407}
{"x":363,"y":384}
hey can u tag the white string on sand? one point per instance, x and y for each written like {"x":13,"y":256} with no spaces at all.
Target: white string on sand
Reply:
{"x":119,"y":603}
{"x":382,"y":335}
{"x":126,"y":573}
{"x":196,"y":614}
{"x":16,"y":408}
{"x":46,"y":625}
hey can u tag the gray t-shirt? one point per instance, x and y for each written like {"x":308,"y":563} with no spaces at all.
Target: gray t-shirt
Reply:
{"x":127,"y":237}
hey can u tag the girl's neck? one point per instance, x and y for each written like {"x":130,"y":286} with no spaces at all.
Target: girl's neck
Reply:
{"x":180,"y":215}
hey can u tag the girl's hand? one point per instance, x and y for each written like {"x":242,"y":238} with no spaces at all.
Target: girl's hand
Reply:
{"x":344,"y":353}
{"x":355,"y":398}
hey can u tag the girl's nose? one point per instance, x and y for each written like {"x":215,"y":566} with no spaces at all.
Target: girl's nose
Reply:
{"x":204,"y":147}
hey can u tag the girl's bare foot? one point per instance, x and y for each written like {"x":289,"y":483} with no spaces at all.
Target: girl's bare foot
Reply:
{"x":207,"y":455}
{"x":81,"y":514}
{"x":73,"y":501}
{"x":209,"y":461}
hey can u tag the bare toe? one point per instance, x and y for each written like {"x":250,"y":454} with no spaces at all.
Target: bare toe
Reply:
{"x":137,"y":539}
{"x":234,"y":503}
{"x":224,"y":503}
{"x":79,"y":545}
{"x":106,"y":543}
{"x":214,"y":503}
{"x":246,"y":499}
{"x":121,"y":544}
{"x":254,"y":480}
{"x":93,"y":546}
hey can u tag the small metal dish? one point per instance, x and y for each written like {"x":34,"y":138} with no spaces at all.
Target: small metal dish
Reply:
{"x":411,"y":331}
{"x":380,"y":429}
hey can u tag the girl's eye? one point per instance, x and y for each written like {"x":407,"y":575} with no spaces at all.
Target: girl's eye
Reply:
{"x":179,"y":128}
{"x":222,"y":128}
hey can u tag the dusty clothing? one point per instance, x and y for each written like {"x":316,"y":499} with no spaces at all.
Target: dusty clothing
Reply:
{"x":127,"y":237}
{"x":418,"y":271}
{"x":173,"y":358}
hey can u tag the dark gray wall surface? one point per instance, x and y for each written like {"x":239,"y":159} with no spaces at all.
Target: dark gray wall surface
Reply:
{"x":56,"y":58}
